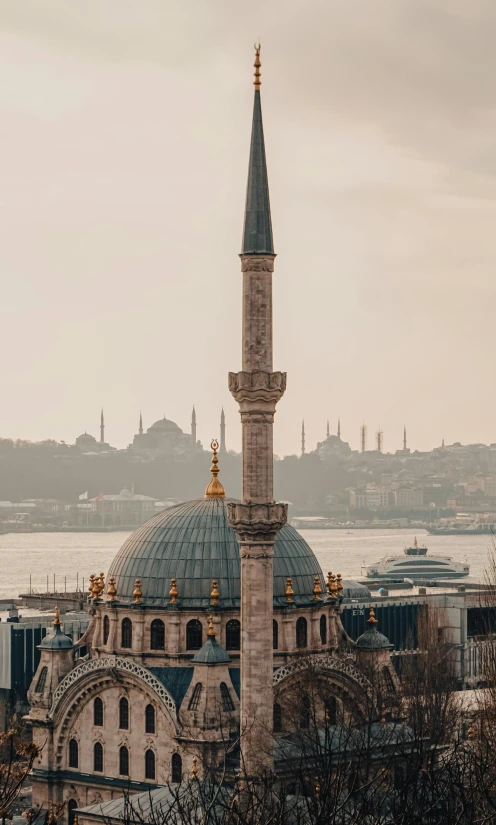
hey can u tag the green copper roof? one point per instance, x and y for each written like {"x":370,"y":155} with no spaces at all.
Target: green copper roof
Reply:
{"x":212,"y":653}
{"x":193,"y":543}
{"x":257,"y":236}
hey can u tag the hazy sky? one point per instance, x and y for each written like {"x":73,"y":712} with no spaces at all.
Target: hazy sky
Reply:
{"x":125,"y":128}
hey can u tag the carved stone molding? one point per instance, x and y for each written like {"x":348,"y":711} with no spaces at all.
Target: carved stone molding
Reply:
{"x":110,"y":664}
{"x":257,"y":263}
{"x":325,"y":664}
{"x":257,"y":524}
{"x":257,"y":387}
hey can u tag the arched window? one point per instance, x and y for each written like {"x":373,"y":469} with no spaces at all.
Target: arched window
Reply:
{"x":40,"y":684}
{"x":388,"y":680}
{"x":275,"y":635}
{"x":305,"y":713}
{"x":71,"y":811}
{"x":123,"y":714}
{"x":123,"y":761}
{"x":331,"y":711}
{"x":157,"y":635}
{"x":149,"y":719}
{"x":98,"y":712}
{"x":73,"y":753}
{"x":150,"y":764}
{"x":177,"y":768}
{"x":195,"y":698}
{"x":277,"y":723}
{"x":226,"y":698}
{"x":301,"y":632}
{"x":126,"y":633}
{"x":98,"y":757}
{"x":323,"y":629}
{"x":194,"y":635}
{"x":233,"y":635}
{"x":106,"y":629}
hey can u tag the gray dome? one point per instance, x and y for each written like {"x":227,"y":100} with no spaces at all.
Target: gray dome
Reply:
{"x":193,"y":543}
{"x":373,"y":640}
{"x":56,"y":640}
{"x":355,"y":590}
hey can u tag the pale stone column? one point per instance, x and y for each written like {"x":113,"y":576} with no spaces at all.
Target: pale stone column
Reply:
{"x":258,"y":518}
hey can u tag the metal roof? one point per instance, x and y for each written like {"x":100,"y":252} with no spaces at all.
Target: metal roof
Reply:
{"x":193,"y":543}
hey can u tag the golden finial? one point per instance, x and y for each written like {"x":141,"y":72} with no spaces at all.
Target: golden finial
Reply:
{"x":333,"y":590}
{"x":383,"y":716}
{"x":289,"y":591}
{"x":101,"y":583}
{"x":214,"y":595}
{"x":372,"y":619}
{"x":317,"y":788}
{"x":95,"y":588}
{"x":329,"y":582}
{"x":470,"y":733}
{"x":215,"y":488}
{"x":111,"y":590}
{"x":137,"y":592}
{"x":173,"y":592}
{"x":317,"y":590}
{"x":211,"y":631}
{"x":194,"y":768}
{"x":415,"y":542}
{"x":257,"y":82}
{"x":339,"y":584}
{"x":56,"y":621}
{"x":90,"y":588}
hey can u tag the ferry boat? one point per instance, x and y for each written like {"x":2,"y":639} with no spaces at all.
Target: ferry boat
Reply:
{"x":418,"y":565}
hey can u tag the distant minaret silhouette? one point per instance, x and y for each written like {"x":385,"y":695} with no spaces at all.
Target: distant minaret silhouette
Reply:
{"x":363,"y":437}
{"x":380,"y":440}
{"x":442,"y":445}
{"x":303,"y":437}
{"x":404,"y":439}
{"x":141,"y":424}
{"x":193,"y":425}
{"x":222,"y":448}
{"x":102,"y":429}
{"x":339,"y":429}
{"x":327,"y":433}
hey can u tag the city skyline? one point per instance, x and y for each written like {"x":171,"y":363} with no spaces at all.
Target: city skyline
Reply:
{"x":382,"y":224}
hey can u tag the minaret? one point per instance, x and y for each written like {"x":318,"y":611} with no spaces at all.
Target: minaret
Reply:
{"x":380,"y":440}
{"x":141,"y":424}
{"x":339,"y":429}
{"x":257,"y":518}
{"x":222,"y":432}
{"x":363,"y":437}
{"x":303,"y":437}
{"x":102,"y":429}
{"x":193,"y":426}
{"x":327,"y":432}
{"x":404,"y":439}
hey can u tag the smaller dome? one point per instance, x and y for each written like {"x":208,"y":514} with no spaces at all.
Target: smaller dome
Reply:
{"x":212,"y":653}
{"x":373,"y":640}
{"x":56,"y":641}
{"x":166,"y":426}
{"x":86,"y":438}
{"x":125,"y":493}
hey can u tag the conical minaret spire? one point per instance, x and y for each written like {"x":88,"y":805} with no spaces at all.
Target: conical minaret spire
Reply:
{"x":339,"y":429}
{"x":141,"y":424}
{"x":327,"y":431}
{"x":257,"y":518}
{"x":193,"y":426}
{"x":257,"y":235}
{"x":102,"y":428}
{"x":303,"y":436}
{"x":222,"y":448}
{"x":404,"y":439}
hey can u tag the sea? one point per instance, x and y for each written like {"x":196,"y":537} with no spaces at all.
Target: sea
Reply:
{"x":63,"y":561}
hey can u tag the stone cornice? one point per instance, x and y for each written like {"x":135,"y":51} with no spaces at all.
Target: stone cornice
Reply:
{"x":262,"y":389}
{"x":257,"y":263}
{"x":257,"y":524}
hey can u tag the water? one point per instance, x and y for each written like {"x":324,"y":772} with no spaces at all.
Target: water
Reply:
{"x":68,"y":554}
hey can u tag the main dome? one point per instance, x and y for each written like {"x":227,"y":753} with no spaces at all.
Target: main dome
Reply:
{"x":193,"y":543}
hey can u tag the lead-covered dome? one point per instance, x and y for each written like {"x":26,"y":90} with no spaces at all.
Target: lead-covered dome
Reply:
{"x":193,"y":543}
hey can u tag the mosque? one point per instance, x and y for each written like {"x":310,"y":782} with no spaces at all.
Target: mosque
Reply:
{"x":209,"y":611}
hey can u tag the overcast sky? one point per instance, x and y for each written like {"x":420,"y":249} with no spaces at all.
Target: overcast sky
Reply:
{"x":125,"y":128}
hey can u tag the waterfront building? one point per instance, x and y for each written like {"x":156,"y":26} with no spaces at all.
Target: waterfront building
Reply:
{"x":125,"y":509}
{"x":200,"y":628}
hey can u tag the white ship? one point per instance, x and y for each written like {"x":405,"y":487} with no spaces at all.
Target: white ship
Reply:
{"x":417,"y":565}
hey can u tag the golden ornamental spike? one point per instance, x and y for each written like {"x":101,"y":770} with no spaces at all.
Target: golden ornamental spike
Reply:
{"x":339,"y":584}
{"x":257,"y":64}
{"x":329,"y":582}
{"x":56,"y":621}
{"x":372,"y":619}
{"x":194,"y":768}
{"x":211,"y":631}
{"x":102,"y":583}
{"x":317,"y":590}
{"x":289,"y":591}
{"x":334,"y":588}
{"x":111,"y":590}
{"x":137,"y":592}
{"x":173,"y":592}
{"x":215,"y":488}
{"x":90,"y":586}
{"x":470,"y":733}
{"x":214,"y":595}
{"x":95,"y":588}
